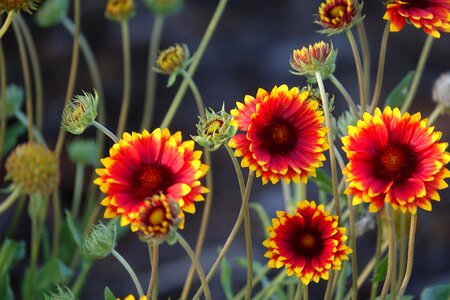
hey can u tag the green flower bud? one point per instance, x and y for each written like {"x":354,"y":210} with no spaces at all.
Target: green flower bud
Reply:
{"x":164,"y":7}
{"x":80,"y":113}
{"x":62,"y":293}
{"x":83,"y":152}
{"x":52,"y":12}
{"x":216,"y":130}
{"x":100,"y":242}
{"x":119,"y":10}
{"x":14,"y":100}
{"x":346,"y":119}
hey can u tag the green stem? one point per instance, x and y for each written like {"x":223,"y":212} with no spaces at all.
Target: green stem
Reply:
{"x":326,"y":112}
{"x":410,"y":260}
{"x":249,"y":250}
{"x":256,"y":280}
{"x":438,"y":110}
{"x":7,"y":23}
{"x":78,"y":189}
{"x":17,"y":217}
{"x":81,"y":278}
{"x":299,"y":291}
{"x":267,"y":291}
{"x":130,"y":271}
{"x":195,"y":62}
{"x":36,"y":69}
{"x":26,"y":78}
{"x":305,"y":293}
{"x":286,"y":192}
{"x":126,"y":77}
{"x":359,"y":70}
{"x":56,"y":223}
{"x":152,"y":286}
{"x":106,"y":131}
{"x":354,"y":261}
{"x":418,"y":73}
{"x":380,"y":72}
{"x":346,"y":95}
{"x":365,"y":51}
{"x":196,"y":93}
{"x":402,"y":248}
{"x":10,"y":200}
{"x":73,"y":70}
{"x":23,"y":119}
{"x":374,"y":288}
{"x":198,"y":267}
{"x":150,"y":90}
{"x":3,"y":107}
{"x":391,"y":252}
{"x":328,"y":291}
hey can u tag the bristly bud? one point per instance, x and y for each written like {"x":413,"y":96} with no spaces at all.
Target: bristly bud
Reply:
{"x":14,"y":100}
{"x":33,"y":168}
{"x":83,"y":152}
{"x":100,"y":242}
{"x":119,"y":10}
{"x":215,"y":130}
{"x":159,"y":219}
{"x":18,"y":5}
{"x":441,"y":90}
{"x":164,"y":7}
{"x":62,"y":293}
{"x":80,"y":113}
{"x":346,"y":119}
{"x":320,"y":57}
{"x":336,"y":16}
{"x":172,"y":61}
{"x":52,"y":12}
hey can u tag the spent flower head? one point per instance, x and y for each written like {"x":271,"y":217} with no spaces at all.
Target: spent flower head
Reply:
{"x":18,"y":5}
{"x":320,"y":57}
{"x":33,"y":168}
{"x":119,"y":10}
{"x":338,"y":15}
{"x":441,"y":90}
{"x":164,"y":7}
{"x":80,"y":113}
{"x":100,"y":242}
{"x":215,"y":130}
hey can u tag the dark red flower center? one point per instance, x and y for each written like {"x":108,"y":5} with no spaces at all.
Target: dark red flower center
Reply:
{"x":152,"y":179}
{"x":278,"y":136}
{"x":394,"y":162}
{"x":307,"y":243}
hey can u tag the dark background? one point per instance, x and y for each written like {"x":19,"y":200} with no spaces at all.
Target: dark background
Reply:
{"x":250,"y":49}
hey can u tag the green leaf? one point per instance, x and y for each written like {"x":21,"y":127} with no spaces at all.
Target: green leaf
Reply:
{"x":381,"y":270}
{"x":171,"y":79}
{"x":397,"y":96}
{"x":76,"y":235}
{"x":261,"y":212}
{"x":436,"y":292}
{"x":10,"y":253}
{"x":323,"y":182}
{"x":51,"y":273}
{"x":12,"y":134}
{"x":225,"y":278}
{"x":109,"y":294}
{"x":6,"y":292}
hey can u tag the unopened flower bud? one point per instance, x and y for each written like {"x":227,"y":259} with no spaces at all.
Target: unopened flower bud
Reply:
{"x":18,"y":5}
{"x":338,"y":15}
{"x":320,"y":57}
{"x":172,"y":59}
{"x":51,"y":12}
{"x":80,"y":113}
{"x":83,"y":152}
{"x":215,"y":130}
{"x":100,"y":242}
{"x":441,"y":90}
{"x":14,"y":100}
{"x":164,"y":7}
{"x":33,"y":168}
{"x":119,"y":10}
{"x":62,"y":293}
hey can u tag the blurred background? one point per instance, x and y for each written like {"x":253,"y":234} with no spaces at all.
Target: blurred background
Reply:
{"x":250,"y":49}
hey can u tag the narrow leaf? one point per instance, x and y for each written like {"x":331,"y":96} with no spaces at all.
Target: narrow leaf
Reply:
{"x":109,"y":294}
{"x":6,"y":292}
{"x":437,"y":292}
{"x":260,"y":211}
{"x":51,"y":273}
{"x":323,"y":182}
{"x":10,"y":252}
{"x":381,"y":270}
{"x":225,"y":278}
{"x":76,"y":235}
{"x":397,"y":96}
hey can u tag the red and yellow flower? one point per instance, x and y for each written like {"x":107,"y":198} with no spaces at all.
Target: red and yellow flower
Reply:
{"x":396,"y":159}
{"x":338,"y":15}
{"x":283,"y":134}
{"x":141,"y":166}
{"x":430,"y":15}
{"x":308,"y":242}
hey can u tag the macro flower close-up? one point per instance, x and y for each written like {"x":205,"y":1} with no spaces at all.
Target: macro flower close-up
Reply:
{"x":432,"y":16}
{"x":397,"y":159}
{"x":143,"y":165}
{"x":284,"y":134}
{"x":337,"y":15}
{"x":308,"y":242}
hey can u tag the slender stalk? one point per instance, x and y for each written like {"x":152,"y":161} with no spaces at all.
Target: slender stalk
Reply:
{"x":299,"y":291}
{"x":81,"y":278}
{"x":354,"y":261}
{"x":328,"y":291}
{"x":326,"y":112}
{"x":359,"y":70}
{"x":106,"y":131}
{"x":3,"y":86}
{"x":36,"y":69}
{"x":154,"y":250}
{"x":380,"y":72}
{"x":7,"y":23}
{"x":56,"y":223}
{"x":365,"y":51}
{"x":402,"y":249}
{"x":197,"y":265}
{"x":410,"y":260}
{"x":26,"y":79}
{"x":77,"y":191}
{"x":305,"y":293}
{"x":391,"y":254}
{"x":249,"y":250}
{"x":374,"y":288}
{"x":286,"y":192}
{"x":346,"y":95}
{"x":267,"y":291}
{"x":73,"y":70}
{"x":196,"y":93}
{"x":438,"y":110}
{"x":256,"y":280}
{"x":195,"y":62}
{"x":130,"y":271}
{"x":126,"y":77}
{"x":9,"y":200}
{"x":150,"y":90}
{"x":418,"y":73}
{"x":16,"y":217}
{"x":23,"y":119}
